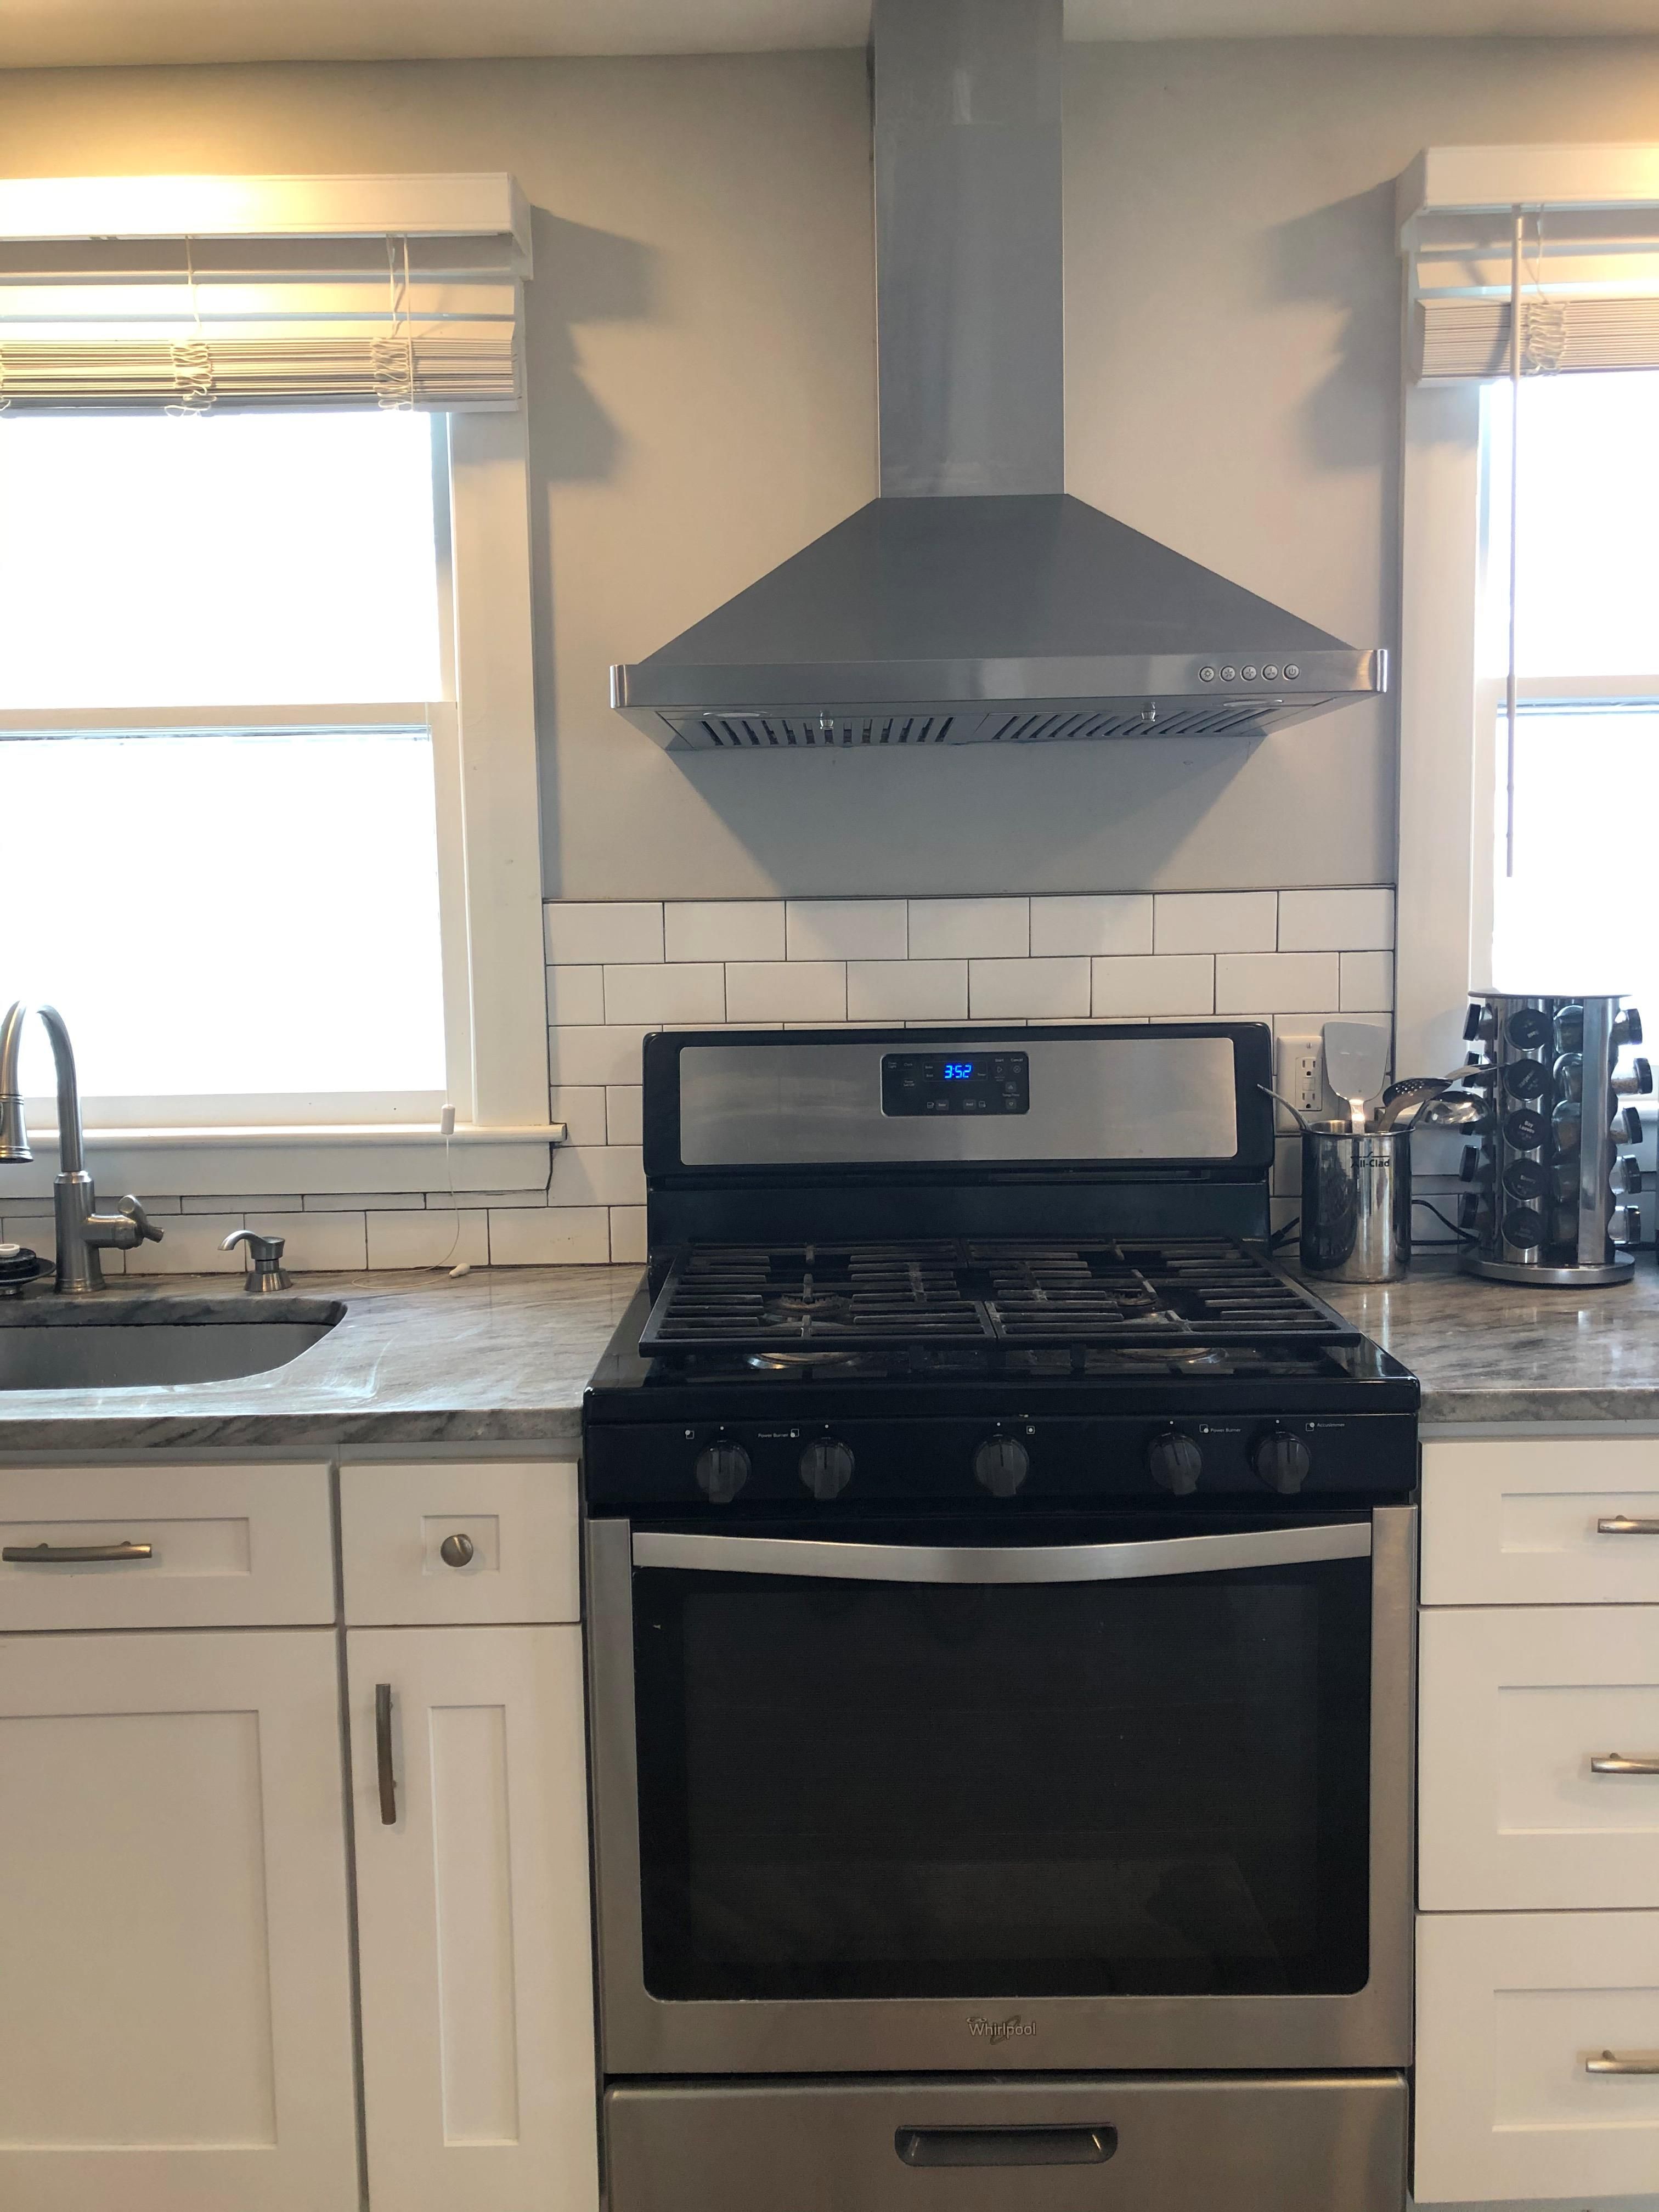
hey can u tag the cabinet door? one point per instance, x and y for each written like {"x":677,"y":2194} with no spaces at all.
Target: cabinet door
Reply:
{"x":175,"y":2006}
{"x":477,"y":1975}
{"x":1540,"y":1520}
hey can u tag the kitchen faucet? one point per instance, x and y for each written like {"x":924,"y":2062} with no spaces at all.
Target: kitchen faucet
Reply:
{"x":81,"y":1230}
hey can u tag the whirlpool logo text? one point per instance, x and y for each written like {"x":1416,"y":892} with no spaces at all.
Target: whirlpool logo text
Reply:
{"x":1000,"y":2031}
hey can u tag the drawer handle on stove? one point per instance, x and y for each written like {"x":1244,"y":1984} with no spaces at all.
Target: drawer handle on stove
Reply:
{"x":1004,"y":2146}
{"x":1610,"y":2063}
{"x":1006,"y":1562}
{"x":1625,"y":1524}
{"x":1614,"y":1764}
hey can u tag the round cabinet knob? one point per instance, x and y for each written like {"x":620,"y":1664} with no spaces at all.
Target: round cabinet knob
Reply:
{"x":1175,"y":1462}
{"x":1282,"y":1461}
{"x":826,"y":1467}
{"x":721,"y":1470}
{"x":1001,"y":1465}
{"x":457,"y":1550}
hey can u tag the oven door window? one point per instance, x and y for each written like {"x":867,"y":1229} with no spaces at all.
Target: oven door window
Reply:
{"x":890,"y":1790}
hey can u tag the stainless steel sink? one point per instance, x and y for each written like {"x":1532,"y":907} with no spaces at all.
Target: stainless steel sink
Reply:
{"x":126,"y":1343}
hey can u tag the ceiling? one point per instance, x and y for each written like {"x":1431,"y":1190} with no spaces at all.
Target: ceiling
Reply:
{"x":45,"y":33}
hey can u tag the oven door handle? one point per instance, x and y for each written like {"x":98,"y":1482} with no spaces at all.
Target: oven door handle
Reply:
{"x":1002,"y":1563}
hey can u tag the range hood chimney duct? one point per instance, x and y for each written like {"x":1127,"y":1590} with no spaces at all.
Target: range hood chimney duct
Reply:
{"x":975,"y":601}
{"x":970,"y":271}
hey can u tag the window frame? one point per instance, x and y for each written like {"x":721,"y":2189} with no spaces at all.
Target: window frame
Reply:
{"x":482,"y":733}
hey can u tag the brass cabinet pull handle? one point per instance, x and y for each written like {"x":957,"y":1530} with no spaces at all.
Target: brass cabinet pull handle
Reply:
{"x":1626,"y":1524}
{"x":70,"y":1555}
{"x":387,"y":1779}
{"x":1610,"y":2063}
{"x":1614,"y":1763}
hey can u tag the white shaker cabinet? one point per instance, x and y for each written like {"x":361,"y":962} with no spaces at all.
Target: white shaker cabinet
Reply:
{"x":175,"y":2003}
{"x":473,"y":1924}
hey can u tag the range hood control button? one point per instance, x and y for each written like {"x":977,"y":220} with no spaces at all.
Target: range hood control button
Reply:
{"x":1282,"y":1461}
{"x":721,"y":1471}
{"x":826,"y":1467}
{"x":1001,"y":1465}
{"x":1206,"y":674}
{"x":1229,"y":675}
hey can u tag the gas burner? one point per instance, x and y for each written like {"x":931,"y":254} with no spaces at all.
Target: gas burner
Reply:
{"x":794,"y":1307}
{"x":783,"y":1361}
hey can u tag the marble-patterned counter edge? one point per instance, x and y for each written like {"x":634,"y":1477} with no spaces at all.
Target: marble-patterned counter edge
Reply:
{"x":498,"y":1356}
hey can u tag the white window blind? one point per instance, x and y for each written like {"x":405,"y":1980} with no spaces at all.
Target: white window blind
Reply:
{"x":198,"y":293}
{"x":1585,"y":279}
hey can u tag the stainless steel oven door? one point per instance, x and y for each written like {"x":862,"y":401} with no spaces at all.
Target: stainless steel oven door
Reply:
{"x":1128,"y":1804}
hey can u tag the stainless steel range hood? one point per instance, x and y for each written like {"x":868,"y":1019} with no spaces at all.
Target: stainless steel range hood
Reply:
{"x":974,"y":601}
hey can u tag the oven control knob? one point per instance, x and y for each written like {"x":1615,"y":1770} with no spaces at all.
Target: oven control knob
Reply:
{"x":1175,"y":1462}
{"x":722,"y":1470}
{"x":826,"y":1467}
{"x":1001,"y":1465}
{"x":1282,"y":1461}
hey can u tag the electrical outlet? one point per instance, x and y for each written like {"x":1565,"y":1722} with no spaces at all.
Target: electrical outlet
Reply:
{"x":1299,"y":1071}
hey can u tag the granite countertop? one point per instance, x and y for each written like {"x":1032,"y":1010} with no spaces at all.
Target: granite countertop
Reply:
{"x":498,"y":1356}
{"x":1491,"y":1352}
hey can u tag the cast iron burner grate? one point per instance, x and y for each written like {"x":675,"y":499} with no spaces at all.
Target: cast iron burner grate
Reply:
{"x":1169,"y":1301}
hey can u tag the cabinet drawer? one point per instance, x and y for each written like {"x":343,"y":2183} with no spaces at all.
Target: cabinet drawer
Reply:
{"x":1510,"y":2008}
{"x":1514,"y":1704}
{"x":1520,"y":1523}
{"x":514,"y":1523}
{"x":228,"y":1547}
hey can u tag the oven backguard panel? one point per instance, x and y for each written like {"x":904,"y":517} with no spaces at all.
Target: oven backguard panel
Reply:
{"x":1135,"y":1129}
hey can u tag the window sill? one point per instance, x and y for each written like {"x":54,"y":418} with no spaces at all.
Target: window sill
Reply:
{"x":299,"y":1159}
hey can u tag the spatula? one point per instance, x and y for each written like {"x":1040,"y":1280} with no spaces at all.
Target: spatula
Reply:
{"x":1356,"y":1063}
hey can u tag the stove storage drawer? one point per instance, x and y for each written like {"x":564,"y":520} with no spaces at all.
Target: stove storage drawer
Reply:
{"x":430,"y":1543}
{"x":1538,"y":1758}
{"x":1537,"y":2057}
{"x":1058,"y":2143}
{"x":1568,"y":1520}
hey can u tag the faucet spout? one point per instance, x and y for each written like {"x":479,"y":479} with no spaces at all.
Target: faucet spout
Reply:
{"x":81,"y":1230}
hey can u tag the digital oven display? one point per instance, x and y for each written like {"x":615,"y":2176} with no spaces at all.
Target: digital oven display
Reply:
{"x":929,"y":1083}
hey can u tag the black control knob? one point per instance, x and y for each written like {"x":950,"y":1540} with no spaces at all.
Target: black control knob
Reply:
{"x":1283,"y":1462}
{"x":1001,"y":1465}
{"x":1175,"y":1462}
{"x":721,"y":1470}
{"x":826,"y":1467}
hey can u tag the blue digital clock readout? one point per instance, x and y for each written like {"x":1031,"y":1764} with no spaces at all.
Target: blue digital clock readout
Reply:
{"x":958,"y":1071}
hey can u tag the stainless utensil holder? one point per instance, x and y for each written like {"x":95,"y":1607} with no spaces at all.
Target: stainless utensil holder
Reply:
{"x":1542,"y":1206}
{"x":1356,"y":1203}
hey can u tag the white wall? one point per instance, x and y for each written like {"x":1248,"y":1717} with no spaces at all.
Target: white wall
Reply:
{"x":702,"y":393}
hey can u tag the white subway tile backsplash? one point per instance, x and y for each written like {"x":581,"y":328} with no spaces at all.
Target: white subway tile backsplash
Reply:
{"x":847,"y":929}
{"x":238,"y":1206}
{"x":907,"y":990}
{"x":440,"y":1199}
{"x":549,"y":1237}
{"x":624,"y":1115}
{"x":1274,"y":982}
{"x":627,"y":1233}
{"x":1367,"y":982}
{"x":1028,"y":988}
{"x":581,"y":1107}
{"x":612,"y":1054}
{"x":786,"y":991}
{"x":1215,"y":921}
{"x":189,"y":1247}
{"x":723,"y":929}
{"x":686,"y":991}
{"x":604,"y":931}
{"x":1096,"y":922}
{"x":1336,"y":920}
{"x":575,"y":995}
{"x":970,"y":928}
{"x":441,"y":1237}
{"x":1175,"y":984}
{"x":596,"y":1174}
{"x":354,"y":1201}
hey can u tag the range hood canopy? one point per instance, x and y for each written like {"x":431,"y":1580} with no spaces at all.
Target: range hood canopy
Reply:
{"x":974,"y":601}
